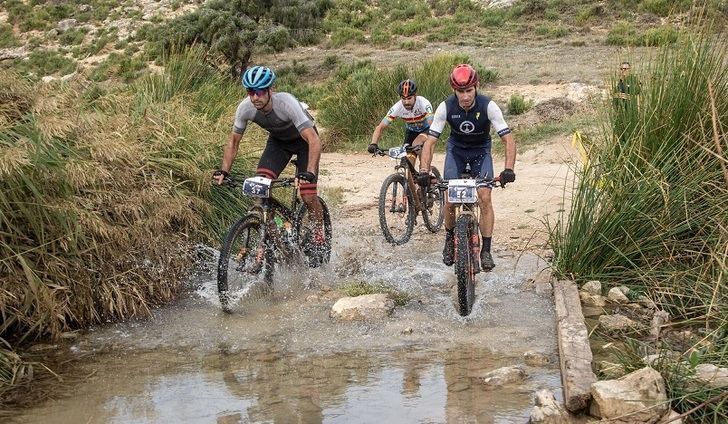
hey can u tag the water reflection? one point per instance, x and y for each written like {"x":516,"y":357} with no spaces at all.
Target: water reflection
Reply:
{"x":267,"y":385}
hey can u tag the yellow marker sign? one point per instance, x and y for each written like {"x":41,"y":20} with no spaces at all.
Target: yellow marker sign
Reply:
{"x":477,"y":115}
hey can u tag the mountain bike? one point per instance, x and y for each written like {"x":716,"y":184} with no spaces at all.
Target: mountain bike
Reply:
{"x":400,"y":198}
{"x":269,"y":233}
{"x":463,"y":194}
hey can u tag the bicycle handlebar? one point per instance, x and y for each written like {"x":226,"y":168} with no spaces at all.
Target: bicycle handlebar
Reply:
{"x":479,"y":182}
{"x":408,"y":149}
{"x":236,"y":180}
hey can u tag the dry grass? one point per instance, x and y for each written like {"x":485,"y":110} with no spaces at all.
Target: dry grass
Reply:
{"x":102,"y":201}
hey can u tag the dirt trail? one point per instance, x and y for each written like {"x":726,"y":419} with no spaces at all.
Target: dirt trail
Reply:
{"x":520,"y":208}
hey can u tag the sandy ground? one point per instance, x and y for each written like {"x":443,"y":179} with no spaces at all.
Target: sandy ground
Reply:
{"x":520,"y":208}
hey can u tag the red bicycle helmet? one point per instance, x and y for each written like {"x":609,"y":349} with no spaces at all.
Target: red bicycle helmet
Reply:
{"x":463,"y":76}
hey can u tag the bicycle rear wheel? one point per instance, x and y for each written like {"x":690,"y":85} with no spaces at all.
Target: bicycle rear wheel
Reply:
{"x":396,"y":210}
{"x":464,"y":266}
{"x":433,"y":210}
{"x":245,"y":259}
{"x":316,"y":251}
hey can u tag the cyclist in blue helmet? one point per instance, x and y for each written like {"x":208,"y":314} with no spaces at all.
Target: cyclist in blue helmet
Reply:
{"x":291,"y":132}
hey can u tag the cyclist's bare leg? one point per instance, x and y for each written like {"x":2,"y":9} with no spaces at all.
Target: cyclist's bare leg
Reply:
{"x":418,"y":141}
{"x":449,"y":215}
{"x":487,"y":215}
{"x":317,"y":211}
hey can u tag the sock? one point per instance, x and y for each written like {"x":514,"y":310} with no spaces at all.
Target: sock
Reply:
{"x":450,"y":232}
{"x":486,"y":243}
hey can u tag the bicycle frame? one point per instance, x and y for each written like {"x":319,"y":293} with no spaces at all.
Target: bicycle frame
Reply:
{"x":266,"y":207}
{"x":406,"y":168}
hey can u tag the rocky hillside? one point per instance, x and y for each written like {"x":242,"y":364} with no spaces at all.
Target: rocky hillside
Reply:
{"x":109,"y":39}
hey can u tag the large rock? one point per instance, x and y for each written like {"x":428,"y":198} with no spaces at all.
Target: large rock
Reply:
{"x":592,"y":300}
{"x":547,"y":410}
{"x":617,"y":295}
{"x":711,"y":376}
{"x":365,"y":307}
{"x":593,"y":287}
{"x":638,"y":397}
{"x":66,"y":24}
{"x":502,"y":376}
{"x":617,"y":322}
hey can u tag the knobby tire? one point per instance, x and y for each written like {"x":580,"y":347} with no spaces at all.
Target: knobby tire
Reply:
{"x":433,"y":222}
{"x":319,"y":257}
{"x":241,"y":231}
{"x":464,"y":267}
{"x":396,"y":184}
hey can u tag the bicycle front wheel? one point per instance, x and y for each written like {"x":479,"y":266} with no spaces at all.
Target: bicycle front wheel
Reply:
{"x":245,"y":258}
{"x":314,"y":243}
{"x":396,"y":210}
{"x":433,"y":208}
{"x":464,"y":265}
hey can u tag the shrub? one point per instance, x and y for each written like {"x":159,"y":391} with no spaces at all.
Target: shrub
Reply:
{"x":517,"y":104}
{"x":7,"y":37}
{"x":659,"y":36}
{"x":45,"y":62}
{"x":492,"y":18}
{"x":330,"y":61}
{"x":622,"y":34}
{"x":363,"y":95}
{"x":411,"y":45}
{"x":345,"y":35}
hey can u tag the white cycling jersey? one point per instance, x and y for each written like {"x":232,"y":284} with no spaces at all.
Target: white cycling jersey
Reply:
{"x":417,"y":119}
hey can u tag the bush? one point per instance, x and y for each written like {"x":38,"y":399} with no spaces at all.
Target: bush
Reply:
{"x":7,"y":37}
{"x":552,"y":31}
{"x":518,"y":105}
{"x":345,"y":35}
{"x":46,"y":62}
{"x":659,"y":36}
{"x":622,"y":34}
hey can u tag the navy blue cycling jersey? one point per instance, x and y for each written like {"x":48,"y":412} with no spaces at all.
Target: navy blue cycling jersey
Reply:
{"x":472,"y":127}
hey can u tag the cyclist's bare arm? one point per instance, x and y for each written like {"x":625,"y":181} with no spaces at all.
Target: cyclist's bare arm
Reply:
{"x":231,"y":149}
{"x":314,"y":149}
{"x":510,"y":143}
{"x":428,"y":149}
{"x":438,"y":124}
{"x":501,"y":127}
{"x":378,"y":131}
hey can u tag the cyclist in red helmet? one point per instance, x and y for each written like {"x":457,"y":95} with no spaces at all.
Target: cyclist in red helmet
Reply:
{"x":470,"y":116}
{"x":414,"y":110}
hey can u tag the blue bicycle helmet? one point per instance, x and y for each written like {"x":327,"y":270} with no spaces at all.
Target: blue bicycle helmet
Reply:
{"x":258,"y":78}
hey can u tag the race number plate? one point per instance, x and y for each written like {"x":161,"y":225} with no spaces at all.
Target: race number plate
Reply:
{"x":461,"y":191}
{"x":397,"y":152}
{"x":257,"y":187}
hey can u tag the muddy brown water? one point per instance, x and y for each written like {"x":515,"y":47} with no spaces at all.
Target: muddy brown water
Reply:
{"x":281,"y":358}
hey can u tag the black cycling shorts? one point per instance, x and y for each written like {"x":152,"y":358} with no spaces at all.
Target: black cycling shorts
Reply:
{"x":409,"y":135}
{"x":276,"y":156}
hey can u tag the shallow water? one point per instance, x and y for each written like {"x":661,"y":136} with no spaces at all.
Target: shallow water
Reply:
{"x":281,"y":358}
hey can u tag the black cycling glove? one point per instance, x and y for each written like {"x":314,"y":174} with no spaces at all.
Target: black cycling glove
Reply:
{"x":507,"y":176}
{"x":219,"y":172}
{"x":309,"y":177}
{"x":372,"y":148}
{"x":423,"y":179}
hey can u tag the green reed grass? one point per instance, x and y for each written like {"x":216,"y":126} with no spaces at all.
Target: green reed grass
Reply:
{"x":650,"y":210}
{"x":360,"y":96}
